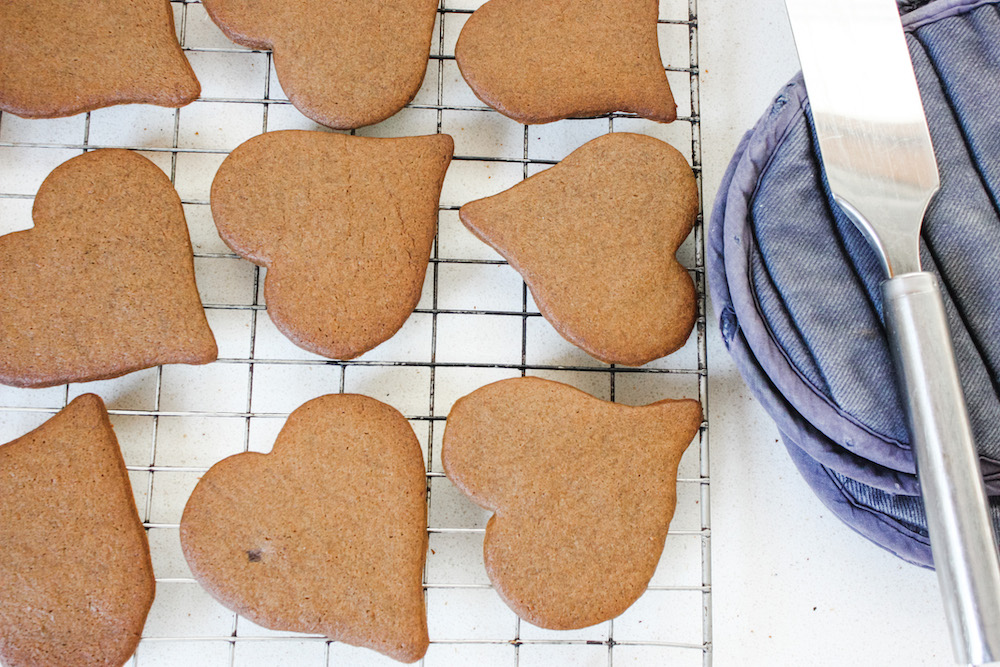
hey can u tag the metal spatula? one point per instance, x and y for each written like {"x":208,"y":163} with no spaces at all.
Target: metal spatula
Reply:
{"x":880,"y":165}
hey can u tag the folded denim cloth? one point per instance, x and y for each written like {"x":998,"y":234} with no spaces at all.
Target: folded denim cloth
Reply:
{"x":796,"y":285}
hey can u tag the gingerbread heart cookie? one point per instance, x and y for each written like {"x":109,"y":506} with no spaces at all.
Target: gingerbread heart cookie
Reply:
{"x":344,"y":224}
{"x":63,"y":57}
{"x":595,"y":239}
{"x":537,"y":61}
{"x":76,"y":580}
{"x":342,"y":63}
{"x":104,"y":283}
{"x":582,"y":492}
{"x":325,"y":534}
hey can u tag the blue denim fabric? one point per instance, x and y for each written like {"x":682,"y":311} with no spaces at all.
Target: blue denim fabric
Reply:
{"x":851,"y":453}
{"x":797,"y":286}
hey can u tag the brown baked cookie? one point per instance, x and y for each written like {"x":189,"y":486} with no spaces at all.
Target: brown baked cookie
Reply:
{"x":583,"y":492}
{"x":326,"y":534}
{"x":595,"y":239}
{"x":63,"y":57}
{"x":342,"y":63}
{"x":76,"y":580}
{"x":537,"y":61}
{"x":344,"y":224}
{"x":104,"y":283}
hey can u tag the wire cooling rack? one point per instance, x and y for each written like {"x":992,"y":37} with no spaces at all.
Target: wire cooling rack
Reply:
{"x":476,"y":323}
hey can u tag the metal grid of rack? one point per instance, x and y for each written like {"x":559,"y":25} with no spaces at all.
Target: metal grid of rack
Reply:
{"x":476,"y":323}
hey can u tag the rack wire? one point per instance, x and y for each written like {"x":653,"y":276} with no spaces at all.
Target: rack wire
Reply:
{"x":476,"y":323}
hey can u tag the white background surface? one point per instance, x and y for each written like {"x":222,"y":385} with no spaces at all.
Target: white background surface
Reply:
{"x":790,"y":584}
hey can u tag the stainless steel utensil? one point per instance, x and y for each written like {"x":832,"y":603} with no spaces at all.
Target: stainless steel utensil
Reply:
{"x":876,"y":149}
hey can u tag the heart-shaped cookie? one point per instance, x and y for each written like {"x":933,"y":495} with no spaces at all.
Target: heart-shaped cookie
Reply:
{"x":344,"y":224}
{"x":325,"y":534}
{"x":342,"y":63}
{"x":582,"y":492}
{"x":76,"y":580}
{"x":104,"y":283}
{"x":63,"y":57}
{"x":537,"y":61}
{"x":595,"y":238}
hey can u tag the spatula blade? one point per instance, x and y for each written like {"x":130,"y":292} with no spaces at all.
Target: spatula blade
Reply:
{"x":873,"y":136}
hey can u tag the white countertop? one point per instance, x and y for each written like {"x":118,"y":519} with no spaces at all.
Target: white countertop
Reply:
{"x":791,"y":584}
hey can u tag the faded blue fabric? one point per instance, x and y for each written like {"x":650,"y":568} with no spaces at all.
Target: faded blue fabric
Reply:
{"x":797,"y":286}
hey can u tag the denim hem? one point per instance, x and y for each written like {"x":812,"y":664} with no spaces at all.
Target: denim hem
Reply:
{"x":940,"y":9}
{"x":878,"y":528}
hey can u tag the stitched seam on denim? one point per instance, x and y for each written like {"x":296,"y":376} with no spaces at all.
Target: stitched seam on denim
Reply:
{"x":846,"y":416}
{"x":993,"y":197}
{"x":869,"y":299}
{"x":753,"y":246}
{"x":791,"y":123}
{"x":891,"y":523}
{"x":928,"y":14}
{"x":805,"y":381}
{"x":758,"y":269}
{"x":831,"y":207}
{"x":994,"y":382}
{"x":788,"y":418}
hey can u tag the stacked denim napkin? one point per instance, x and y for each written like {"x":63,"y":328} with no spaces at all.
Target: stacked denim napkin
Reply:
{"x":796,"y":286}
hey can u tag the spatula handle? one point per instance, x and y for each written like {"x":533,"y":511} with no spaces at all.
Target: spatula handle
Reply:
{"x":961,"y":532}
